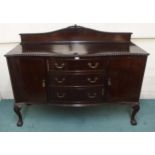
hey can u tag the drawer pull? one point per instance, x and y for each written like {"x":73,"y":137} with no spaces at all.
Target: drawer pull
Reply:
{"x":59,"y":66}
{"x":93,"y":80}
{"x":91,"y":96}
{"x":93,"y":66}
{"x":60,"y":95}
{"x":60,"y":81}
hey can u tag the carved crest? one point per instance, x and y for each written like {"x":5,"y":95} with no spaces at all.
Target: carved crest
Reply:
{"x":75,"y":34}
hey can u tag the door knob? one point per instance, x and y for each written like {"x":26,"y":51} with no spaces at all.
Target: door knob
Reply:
{"x":43,"y":83}
{"x":109,"y":81}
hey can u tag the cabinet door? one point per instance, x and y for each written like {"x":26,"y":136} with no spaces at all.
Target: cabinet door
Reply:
{"x":125,"y":75}
{"x":33,"y":71}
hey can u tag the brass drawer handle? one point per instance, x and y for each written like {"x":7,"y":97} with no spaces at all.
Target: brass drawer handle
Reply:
{"x":92,"y":80}
{"x":93,"y":66}
{"x":59,"y":66}
{"x":91,"y":96}
{"x":60,"y":81}
{"x":60,"y":95}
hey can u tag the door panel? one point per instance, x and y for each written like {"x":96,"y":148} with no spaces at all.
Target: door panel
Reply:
{"x":33,"y":73}
{"x":125,"y":78}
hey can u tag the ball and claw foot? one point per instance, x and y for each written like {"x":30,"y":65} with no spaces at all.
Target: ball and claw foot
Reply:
{"x":20,"y":123}
{"x":17,"y":110}
{"x":135,"y":108}
{"x":133,"y":122}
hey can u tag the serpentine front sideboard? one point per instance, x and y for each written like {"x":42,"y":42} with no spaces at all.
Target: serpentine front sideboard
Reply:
{"x":77,"y":67}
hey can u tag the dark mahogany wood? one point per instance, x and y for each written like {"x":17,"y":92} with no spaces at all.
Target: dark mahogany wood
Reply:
{"x":33,"y":75}
{"x":17,"y":110}
{"x":73,"y":94}
{"x":76,"y":79}
{"x":75,"y":33}
{"x":136,"y":108}
{"x":125,"y":76}
{"x":76,"y":66}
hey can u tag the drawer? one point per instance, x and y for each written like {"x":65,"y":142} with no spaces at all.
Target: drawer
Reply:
{"x":75,"y":79}
{"x":75,"y":94}
{"x":72,"y":64}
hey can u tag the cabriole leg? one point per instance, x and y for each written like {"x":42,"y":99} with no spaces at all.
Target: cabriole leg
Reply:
{"x":135,"y":108}
{"x":17,"y":110}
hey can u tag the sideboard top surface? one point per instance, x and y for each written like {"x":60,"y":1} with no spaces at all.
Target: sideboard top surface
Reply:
{"x":76,"y":40}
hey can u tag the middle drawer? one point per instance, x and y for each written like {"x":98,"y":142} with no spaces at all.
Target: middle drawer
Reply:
{"x":75,"y":78}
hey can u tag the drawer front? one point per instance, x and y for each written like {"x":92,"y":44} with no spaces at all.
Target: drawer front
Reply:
{"x":75,"y":79}
{"x":75,"y":94}
{"x":71,"y":64}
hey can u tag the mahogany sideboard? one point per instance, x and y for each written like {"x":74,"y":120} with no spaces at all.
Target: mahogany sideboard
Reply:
{"x":76,"y":66}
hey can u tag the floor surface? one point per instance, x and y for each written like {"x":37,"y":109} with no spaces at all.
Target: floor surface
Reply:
{"x":106,"y":118}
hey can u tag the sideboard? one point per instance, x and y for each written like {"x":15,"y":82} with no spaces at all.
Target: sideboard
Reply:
{"x":76,"y":67}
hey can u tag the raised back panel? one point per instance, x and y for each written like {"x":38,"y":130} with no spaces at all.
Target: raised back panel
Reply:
{"x":75,"y":34}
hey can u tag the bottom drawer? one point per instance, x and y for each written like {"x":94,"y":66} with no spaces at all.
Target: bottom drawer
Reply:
{"x":75,"y":94}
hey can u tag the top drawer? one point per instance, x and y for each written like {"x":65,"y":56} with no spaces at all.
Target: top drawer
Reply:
{"x":72,"y":64}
